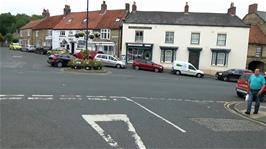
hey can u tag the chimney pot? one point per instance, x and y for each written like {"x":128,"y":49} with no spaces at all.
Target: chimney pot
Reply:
{"x":186,"y":8}
{"x":103,"y":8}
{"x":134,"y":7}
{"x":252,"y":8}
{"x":127,"y":7}
{"x":232,"y":10}
{"x":67,"y":10}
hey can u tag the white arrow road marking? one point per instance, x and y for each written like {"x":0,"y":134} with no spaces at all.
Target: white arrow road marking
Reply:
{"x":92,"y":119}
{"x":167,"y":121}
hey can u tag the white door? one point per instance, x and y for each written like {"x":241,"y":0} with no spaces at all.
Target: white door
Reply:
{"x":192,"y":70}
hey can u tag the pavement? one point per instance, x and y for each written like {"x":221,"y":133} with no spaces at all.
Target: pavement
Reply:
{"x":239,"y":108}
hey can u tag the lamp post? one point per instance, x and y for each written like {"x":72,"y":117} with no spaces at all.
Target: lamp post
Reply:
{"x":87,"y":26}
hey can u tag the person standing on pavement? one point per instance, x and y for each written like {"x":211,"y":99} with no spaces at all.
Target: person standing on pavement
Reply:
{"x":256,"y":83}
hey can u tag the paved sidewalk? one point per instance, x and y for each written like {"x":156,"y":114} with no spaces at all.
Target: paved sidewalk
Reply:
{"x":240,"y":109}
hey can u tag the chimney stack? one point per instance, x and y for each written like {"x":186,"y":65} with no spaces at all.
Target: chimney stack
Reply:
{"x":134,"y":7}
{"x":252,"y":8}
{"x":67,"y":10}
{"x":186,"y":8}
{"x":232,"y":10}
{"x":127,"y":7}
{"x":45,"y":13}
{"x":103,"y":8}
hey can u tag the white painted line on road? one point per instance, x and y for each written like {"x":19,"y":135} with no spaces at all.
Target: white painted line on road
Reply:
{"x":98,"y":99}
{"x":37,"y":98}
{"x":69,"y":98}
{"x":42,"y":95}
{"x":97,"y":96}
{"x":167,"y":121}
{"x":92,"y":119}
{"x":70,"y":95}
{"x":11,"y":95}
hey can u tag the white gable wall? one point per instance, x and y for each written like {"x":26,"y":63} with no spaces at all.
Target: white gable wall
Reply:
{"x":237,"y":41}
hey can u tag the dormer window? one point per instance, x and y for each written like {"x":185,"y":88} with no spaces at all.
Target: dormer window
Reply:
{"x":84,"y":20}
{"x":69,"y":20}
{"x":117,"y":19}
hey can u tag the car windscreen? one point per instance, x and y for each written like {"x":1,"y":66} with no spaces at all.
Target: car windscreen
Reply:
{"x":245,"y":76}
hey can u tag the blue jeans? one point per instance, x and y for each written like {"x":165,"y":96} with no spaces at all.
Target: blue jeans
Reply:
{"x":253,"y":94}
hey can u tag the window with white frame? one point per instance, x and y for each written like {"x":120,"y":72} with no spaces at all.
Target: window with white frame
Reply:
{"x":105,"y":34}
{"x":221,"y":39}
{"x":258,"y":51}
{"x":219,"y":58}
{"x":37,"y":34}
{"x":168,"y":55}
{"x":139,"y":36}
{"x":169,"y":37}
{"x":62,"y":33}
{"x":195,"y":38}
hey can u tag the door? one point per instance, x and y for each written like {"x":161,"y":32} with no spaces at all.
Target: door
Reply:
{"x":72,"y":48}
{"x":105,"y":60}
{"x":194,"y":58}
{"x":112,"y":61}
{"x":192,"y":70}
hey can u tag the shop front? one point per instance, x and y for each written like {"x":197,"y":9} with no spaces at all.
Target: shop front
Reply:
{"x":141,"y":51}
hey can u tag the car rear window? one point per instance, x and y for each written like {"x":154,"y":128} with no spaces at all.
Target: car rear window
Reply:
{"x":245,"y":76}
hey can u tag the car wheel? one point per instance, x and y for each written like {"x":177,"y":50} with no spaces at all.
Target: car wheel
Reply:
{"x":59,"y":64}
{"x":263,"y":97}
{"x":118,"y":66}
{"x":225,"y":78}
{"x":240,"y":94}
{"x":137,"y":67}
{"x":156,"y":70}
{"x":178,"y":72}
{"x":199,"y":75}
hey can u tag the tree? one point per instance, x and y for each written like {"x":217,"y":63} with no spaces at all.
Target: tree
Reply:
{"x":9,"y":37}
{"x":1,"y":38}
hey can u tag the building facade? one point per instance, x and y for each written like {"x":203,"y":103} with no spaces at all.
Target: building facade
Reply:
{"x":207,"y":40}
{"x":26,"y":33}
{"x":256,"y":57}
{"x":104,"y":30}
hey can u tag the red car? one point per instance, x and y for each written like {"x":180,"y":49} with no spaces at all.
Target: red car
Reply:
{"x":91,"y":55}
{"x":242,"y":85}
{"x":147,"y":65}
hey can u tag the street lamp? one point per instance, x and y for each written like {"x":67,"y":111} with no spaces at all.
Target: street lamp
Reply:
{"x":87,"y":26}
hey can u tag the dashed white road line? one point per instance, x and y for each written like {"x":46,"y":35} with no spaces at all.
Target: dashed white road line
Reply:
{"x":12,"y":95}
{"x":160,"y":117}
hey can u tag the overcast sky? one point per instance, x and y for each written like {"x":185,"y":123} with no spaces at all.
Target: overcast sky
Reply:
{"x":56,"y":6}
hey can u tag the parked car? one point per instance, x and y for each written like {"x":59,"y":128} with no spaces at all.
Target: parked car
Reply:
{"x":109,"y":60}
{"x":29,"y":48}
{"x":15,"y":46}
{"x":231,"y":74}
{"x":186,"y":68}
{"x":42,"y":50}
{"x":147,"y":65}
{"x":242,"y":85}
{"x":91,"y":54}
{"x":59,"y":60}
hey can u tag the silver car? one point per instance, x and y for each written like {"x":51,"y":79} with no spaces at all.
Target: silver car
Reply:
{"x":29,"y":48}
{"x":109,"y":60}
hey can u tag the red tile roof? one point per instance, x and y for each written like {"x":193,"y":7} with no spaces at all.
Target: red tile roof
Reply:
{"x":75,"y":20}
{"x":48,"y":23}
{"x":31,"y":24}
{"x":256,"y":36}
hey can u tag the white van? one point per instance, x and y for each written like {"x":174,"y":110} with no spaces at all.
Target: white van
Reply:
{"x":186,"y":68}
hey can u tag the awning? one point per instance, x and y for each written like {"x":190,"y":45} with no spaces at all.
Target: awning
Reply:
{"x":168,"y":48}
{"x":194,"y":49}
{"x":220,"y":50}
